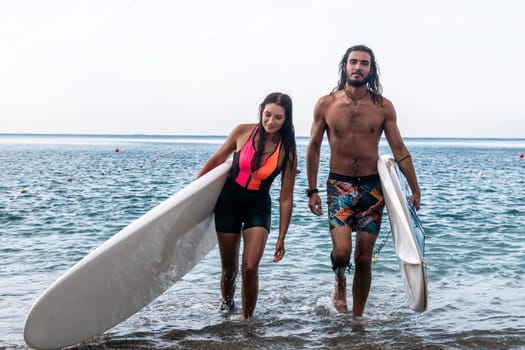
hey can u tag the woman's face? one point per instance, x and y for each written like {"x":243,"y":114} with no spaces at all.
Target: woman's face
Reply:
{"x":273,"y":117}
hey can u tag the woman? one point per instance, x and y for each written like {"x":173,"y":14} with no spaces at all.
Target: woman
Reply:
{"x":260,"y":152}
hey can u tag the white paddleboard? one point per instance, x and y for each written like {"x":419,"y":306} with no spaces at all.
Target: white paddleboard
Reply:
{"x":129,"y":270}
{"x":407,"y":233}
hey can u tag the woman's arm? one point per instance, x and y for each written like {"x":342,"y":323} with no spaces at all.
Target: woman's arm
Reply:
{"x":228,"y":147}
{"x":285,"y":205}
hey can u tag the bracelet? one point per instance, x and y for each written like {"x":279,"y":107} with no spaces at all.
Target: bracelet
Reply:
{"x":402,"y":159}
{"x":311,"y":191}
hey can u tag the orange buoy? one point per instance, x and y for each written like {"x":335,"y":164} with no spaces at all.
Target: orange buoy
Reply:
{"x":117,"y":150}
{"x":522,"y":155}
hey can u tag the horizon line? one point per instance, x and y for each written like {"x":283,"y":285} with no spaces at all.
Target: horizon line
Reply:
{"x":222,"y":136}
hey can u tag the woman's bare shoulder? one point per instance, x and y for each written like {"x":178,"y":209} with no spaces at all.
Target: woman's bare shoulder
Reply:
{"x":243,"y":128}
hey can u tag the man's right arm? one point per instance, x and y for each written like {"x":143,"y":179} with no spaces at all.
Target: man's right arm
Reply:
{"x":313,"y":153}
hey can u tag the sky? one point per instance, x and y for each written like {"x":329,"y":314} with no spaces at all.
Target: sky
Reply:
{"x":452,"y":68}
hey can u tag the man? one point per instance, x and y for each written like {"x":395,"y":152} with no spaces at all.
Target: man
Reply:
{"x":354,"y":117}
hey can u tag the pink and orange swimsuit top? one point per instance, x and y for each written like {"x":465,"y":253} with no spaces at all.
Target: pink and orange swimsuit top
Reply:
{"x":262,"y":177}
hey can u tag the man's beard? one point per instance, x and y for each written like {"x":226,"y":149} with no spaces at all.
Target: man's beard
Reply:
{"x":357,"y":83}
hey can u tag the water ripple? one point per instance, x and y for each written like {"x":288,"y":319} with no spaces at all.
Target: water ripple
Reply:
{"x":60,"y":201}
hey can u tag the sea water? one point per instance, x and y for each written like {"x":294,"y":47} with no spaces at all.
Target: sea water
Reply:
{"x":63,"y":195}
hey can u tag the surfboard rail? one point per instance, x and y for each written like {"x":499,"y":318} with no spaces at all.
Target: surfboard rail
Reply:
{"x":407,"y":233}
{"x":130,"y":269}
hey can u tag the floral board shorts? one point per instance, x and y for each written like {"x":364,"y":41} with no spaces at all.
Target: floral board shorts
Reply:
{"x":356,"y":202}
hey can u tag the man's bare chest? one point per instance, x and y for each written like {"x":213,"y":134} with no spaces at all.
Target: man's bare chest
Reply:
{"x":355,"y":120}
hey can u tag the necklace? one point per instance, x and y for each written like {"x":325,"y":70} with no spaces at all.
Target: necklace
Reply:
{"x":355,"y":101}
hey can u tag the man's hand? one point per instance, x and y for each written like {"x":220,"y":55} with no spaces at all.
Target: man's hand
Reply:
{"x":314,"y":203}
{"x":415,"y":200}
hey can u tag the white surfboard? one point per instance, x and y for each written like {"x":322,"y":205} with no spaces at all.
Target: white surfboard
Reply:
{"x":407,"y":233}
{"x":129,"y":270}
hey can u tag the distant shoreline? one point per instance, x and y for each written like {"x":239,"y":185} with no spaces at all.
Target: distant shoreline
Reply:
{"x":173,"y":136}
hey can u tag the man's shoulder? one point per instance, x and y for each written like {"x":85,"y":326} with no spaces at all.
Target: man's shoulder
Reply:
{"x":387,"y":101}
{"x":328,"y":99}
{"x":385,"y":107}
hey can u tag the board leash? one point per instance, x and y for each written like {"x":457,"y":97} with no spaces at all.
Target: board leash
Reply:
{"x":378,"y":248}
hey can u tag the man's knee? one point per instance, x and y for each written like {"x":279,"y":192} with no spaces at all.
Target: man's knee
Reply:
{"x":339,"y":261}
{"x":363,"y":261}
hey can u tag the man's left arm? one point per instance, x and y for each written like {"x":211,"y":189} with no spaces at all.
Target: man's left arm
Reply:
{"x":401,"y":154}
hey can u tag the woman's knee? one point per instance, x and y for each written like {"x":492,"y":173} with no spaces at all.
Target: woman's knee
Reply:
{"x":250,"y":271}
{"x":229,"y":274}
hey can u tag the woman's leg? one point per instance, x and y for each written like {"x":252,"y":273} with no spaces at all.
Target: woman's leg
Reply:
{"x":229,"y":250}
{"x":254,"y":243}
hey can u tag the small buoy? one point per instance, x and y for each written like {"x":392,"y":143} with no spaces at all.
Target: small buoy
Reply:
{"x":23,"y":190}
{"x":117,"y":150}
{"x":522,"y":155}
{"x":69,"y":179}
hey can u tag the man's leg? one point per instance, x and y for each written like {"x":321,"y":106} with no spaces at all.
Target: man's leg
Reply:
{"x":363,"y":271}
{"x":340,"y":256}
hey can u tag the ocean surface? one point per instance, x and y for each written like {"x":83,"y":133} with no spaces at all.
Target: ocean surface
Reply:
{"x":61,"y":196}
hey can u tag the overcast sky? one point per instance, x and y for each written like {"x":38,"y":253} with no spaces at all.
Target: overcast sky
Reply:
{"x":452,"y":68}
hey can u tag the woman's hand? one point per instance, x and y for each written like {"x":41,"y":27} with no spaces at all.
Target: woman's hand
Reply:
{"x":279,"y":250}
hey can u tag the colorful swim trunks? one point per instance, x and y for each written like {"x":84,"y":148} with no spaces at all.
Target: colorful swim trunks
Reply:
{"x":356,"y":202}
